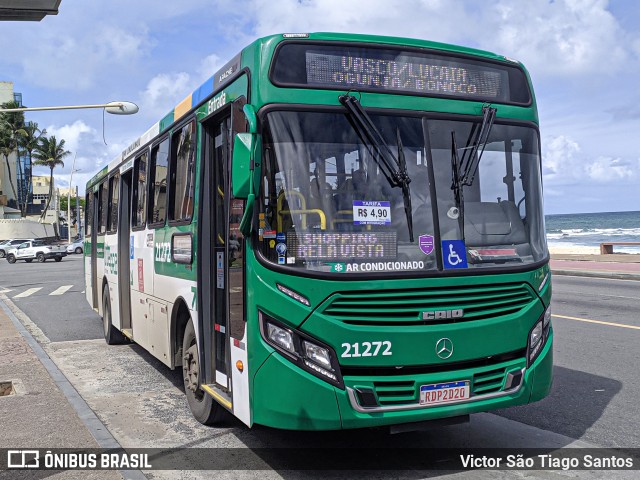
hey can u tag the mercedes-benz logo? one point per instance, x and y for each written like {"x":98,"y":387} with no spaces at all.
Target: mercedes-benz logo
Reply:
{"x":444,"y":348}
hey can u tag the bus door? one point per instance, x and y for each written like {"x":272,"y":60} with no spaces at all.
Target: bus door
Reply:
{"x":95,"y":205}
{"x":125,"y":253}
{"x":213,"y":270}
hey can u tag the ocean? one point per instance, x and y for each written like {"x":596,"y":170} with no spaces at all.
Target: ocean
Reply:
{"x":591,"y":229}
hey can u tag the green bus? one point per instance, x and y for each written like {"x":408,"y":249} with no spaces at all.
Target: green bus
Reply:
{"x":334,"y":231}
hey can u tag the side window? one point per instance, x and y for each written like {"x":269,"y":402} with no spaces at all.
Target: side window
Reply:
{"x":158,"y":190}
{"x":112,"y":215}
{"x":182,"y":173}
{"x":139,"y":214}
{"x":103,"y":207}
{"x":88,"y":213}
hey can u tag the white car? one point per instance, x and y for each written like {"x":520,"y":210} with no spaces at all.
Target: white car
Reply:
{"x":36,"y":250}
{"x":76,"y":247}
{"x":9,"y":244}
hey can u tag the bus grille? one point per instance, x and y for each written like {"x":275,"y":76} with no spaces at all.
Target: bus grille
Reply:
{"x":488,"y":382}
{"x":405,"y":307}
{"x":395,"y":393}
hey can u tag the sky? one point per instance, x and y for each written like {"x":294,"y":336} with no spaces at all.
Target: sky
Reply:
{"x":583,"y":57}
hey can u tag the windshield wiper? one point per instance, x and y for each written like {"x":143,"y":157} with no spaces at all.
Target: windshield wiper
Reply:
{"x":456,"y":184}
{"x":469,"y":163}
{"x":394,"y":168}
{"x":464,"y":170}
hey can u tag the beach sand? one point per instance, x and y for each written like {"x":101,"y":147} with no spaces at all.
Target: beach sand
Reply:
{"x":573,"y":250}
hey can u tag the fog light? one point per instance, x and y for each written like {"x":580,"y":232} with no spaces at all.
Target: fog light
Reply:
{"x":317,"y":354}
{"x":320,"y":370}
{"x":280,"y":337}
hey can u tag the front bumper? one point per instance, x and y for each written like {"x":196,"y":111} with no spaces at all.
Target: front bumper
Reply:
{"x":55,"y":254}
{"x":287,"y":397}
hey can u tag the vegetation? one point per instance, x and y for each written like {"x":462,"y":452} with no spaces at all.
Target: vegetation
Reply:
{"x":27,"y":139}
{"x":10,"y":123}
{"x":49,"y":153}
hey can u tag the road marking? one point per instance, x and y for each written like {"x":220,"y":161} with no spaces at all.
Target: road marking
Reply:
{"x":599,"y":322}
{"x":601,"y":295}
{"x":6,"y":290}
{"x":61,"y":290}
{"x":26,"y":293}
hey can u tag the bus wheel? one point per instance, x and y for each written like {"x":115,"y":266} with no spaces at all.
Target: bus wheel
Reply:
{"x":111,"y":334}
{"x":203,"y":407}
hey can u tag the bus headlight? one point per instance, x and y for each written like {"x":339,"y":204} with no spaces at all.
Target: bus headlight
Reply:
{"x":280,"y":337}
{"x":317,"y":354}
{"x":538,"y":336}
{"x":303,"y":350}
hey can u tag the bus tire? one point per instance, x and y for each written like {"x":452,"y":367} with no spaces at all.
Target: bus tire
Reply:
{"x":111,"y":334}
{"x":203,"y":407}
{"x":11,"y":258}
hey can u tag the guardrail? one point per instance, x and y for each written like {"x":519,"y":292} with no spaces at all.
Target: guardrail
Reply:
{"x":607,"y":247}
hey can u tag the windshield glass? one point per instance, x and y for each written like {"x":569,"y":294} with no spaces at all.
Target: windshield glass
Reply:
{"x":326,"y":204}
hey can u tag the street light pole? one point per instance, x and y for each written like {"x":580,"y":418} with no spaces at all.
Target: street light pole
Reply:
{"x":69,"y":197}
{"x":116,"y":108}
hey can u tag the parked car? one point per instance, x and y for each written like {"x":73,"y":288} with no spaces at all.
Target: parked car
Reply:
{"x":36,"y":250}
{"x":11,"y":243}
{"x":76,"y":247}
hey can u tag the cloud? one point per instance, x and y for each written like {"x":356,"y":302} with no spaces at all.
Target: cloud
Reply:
{"x":87,"y":146}
{"x":610,"y":170}
{"x":164,"y":91}
{"x":565,"y":37}
{"x":564,"y":163}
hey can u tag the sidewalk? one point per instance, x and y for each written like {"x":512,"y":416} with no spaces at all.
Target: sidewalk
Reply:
{"x":618,"y":266}
{"x":34,"y":412}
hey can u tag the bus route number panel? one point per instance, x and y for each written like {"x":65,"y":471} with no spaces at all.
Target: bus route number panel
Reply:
{"x":438,"y":393}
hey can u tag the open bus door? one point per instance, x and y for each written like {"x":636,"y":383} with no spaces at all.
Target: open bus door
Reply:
{"x":93,"y":214}
{"x":213,"y":285}
{"x":125,"y":254}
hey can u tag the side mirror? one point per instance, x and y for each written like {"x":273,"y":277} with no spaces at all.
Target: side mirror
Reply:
{"x":243,"y":147}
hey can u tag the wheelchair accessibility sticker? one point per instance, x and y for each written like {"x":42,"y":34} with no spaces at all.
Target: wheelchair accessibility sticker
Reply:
{"x":454,"y":254}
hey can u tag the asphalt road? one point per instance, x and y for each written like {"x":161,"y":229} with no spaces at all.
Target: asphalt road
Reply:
{"x":593,"y":400}
{"x":596,"y":382}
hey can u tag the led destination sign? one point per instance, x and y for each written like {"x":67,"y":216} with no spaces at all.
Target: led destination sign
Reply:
{"x":406,"y":73}
{"x":389,"y":69}
{"x":342,"y":246}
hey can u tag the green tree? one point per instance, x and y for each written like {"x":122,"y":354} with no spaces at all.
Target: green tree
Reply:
{"x":10,"y":123}
{"x":64,"y":206}
{"x":28,"y":139}
{"x":49,"y":153}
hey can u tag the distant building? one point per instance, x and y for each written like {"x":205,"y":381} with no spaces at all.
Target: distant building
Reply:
{"x":40,"y":196}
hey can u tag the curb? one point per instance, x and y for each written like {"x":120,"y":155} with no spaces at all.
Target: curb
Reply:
{"x":595,"y":274}
{"x":94,"y":425}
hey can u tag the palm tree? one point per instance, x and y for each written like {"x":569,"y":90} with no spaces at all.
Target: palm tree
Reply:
{"x":28,"y":139}
{"x":10,"y":123}
{"x":49,"y":153}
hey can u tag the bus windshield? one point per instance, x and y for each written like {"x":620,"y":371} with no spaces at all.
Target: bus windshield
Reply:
{"x":328,"y":206}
